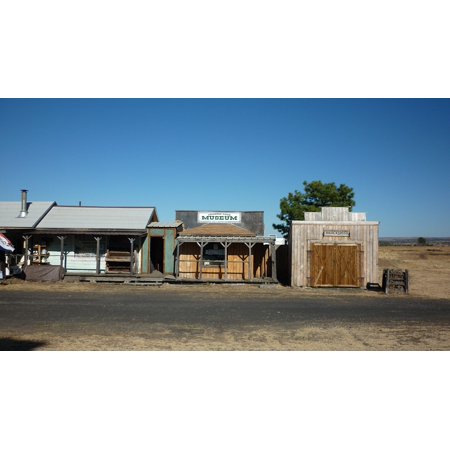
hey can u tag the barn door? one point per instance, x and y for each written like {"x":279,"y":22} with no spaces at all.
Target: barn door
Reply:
{"x":335,"y":265}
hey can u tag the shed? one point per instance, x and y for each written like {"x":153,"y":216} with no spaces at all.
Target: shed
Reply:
{"x":334,"y":248}
{"x":158,"y":251}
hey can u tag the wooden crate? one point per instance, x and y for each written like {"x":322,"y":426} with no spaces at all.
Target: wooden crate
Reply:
{"x":117,"y":261}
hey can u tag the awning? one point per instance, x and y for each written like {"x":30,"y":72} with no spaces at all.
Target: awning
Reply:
{"x":5,"y":244}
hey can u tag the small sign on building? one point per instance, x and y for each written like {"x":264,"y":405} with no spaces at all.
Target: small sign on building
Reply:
{"x":218,"y":217}
{"x":336,"y":233}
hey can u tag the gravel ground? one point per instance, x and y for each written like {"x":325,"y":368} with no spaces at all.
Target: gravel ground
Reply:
{"x":89,"y":317}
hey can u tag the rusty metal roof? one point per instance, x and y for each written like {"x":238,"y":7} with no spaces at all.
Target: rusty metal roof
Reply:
{"x":217,"y":230}
{"x":175,"y":224}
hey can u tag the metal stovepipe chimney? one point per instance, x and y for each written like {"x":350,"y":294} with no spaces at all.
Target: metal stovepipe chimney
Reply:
{"x":24,"y":205}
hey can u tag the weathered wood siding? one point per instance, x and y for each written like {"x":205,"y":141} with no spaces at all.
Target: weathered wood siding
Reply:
{"x":145,"y":255}
{"x":169,"y":245}
{"x":304,"y":234}
{"x":237,"y":263}
{"x":169,"y":248}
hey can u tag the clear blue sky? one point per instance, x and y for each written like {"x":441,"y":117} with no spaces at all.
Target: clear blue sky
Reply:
{"x":231,"y":154}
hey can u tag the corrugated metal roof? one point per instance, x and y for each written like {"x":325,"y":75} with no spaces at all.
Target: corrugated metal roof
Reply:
{"x":217,"y":230}
{"x":175,"y":224}
{"x":97,"y":218}
{"x":9,"y":214}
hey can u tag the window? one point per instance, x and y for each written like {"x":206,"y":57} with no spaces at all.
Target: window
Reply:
{"x":213,"y":254}
{"x":86,"y":246}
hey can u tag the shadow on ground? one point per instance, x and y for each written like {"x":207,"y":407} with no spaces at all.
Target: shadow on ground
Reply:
{"x":7,"y":344}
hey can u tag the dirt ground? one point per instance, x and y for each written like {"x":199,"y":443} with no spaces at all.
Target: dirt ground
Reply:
{"x":248,"y":339}
{"x":429,"y":269}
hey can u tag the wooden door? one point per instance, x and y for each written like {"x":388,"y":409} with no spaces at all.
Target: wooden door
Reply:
{"x":335,"y":265}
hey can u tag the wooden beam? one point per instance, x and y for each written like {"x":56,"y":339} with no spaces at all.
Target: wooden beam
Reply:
{"x":177,"y":262}
{"x":273,"y":253}
{"x":97,"y":255}
{"x":26,"y":238}
{"x":131,"y":255}
{"x":250,"y":262}
{"x":201,"y":244}
{"x":226,"y":244}
{"x":61,"y":255}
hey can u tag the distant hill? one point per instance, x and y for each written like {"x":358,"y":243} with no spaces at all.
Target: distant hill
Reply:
{"x":413,"y":240}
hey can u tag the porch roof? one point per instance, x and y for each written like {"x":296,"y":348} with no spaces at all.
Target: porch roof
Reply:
{"x":210,"y":230}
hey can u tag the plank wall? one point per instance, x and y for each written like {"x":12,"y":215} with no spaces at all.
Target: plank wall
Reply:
{"x":237,"y":263}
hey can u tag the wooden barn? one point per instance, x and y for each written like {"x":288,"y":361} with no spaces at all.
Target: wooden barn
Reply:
{"x":224,"y":246}
{"x":334,"y":248}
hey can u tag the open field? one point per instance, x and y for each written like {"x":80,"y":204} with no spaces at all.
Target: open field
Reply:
{"x":429,"y":273}
{"x":429,"y":268}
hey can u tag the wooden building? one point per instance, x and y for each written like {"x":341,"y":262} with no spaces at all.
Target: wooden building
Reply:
{"x":158,"y":250}
{"x":81,"y":239}
{"x":226,"y":246}
{"x":334,"y":248}
{"x":94,"y":239}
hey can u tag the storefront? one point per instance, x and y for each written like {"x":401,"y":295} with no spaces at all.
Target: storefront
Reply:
{"x":92,"y":239}
{"x":80,"y":239}
{"x":225,"y":246}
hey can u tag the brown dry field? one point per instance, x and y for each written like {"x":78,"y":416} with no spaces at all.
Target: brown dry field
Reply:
{"x":428,"y":266}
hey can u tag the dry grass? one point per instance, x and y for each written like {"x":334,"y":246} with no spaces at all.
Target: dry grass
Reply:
{"x":429,"y":271}
{"x":429,"y":268}
{"x":265,"y":338}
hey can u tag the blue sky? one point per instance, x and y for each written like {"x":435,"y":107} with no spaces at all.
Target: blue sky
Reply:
{"x":232,"y":154}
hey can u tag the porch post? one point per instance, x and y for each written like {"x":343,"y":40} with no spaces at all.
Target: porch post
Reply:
{"x":26,"y":237}
{"x":250,"y":265}
{"x":273,"y":252}
{"x":61,"y":255}
{"x":97,"y":255}
{"x":131,"y":255}
{"x":177,"y":261}
{"x":226,"y":244}
{"x":201,"y":260}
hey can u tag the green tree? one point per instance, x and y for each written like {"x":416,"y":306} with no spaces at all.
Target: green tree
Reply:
{"x":421,"y":241}
{"x":316,"y":194}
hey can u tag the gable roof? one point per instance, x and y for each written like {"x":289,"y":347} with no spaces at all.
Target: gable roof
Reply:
{"x":217,"y":230}
{"x":9,"y":214}
{"x":97,"y":218}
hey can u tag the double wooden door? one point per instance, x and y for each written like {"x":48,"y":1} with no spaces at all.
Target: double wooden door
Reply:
{"x":336,"y":265}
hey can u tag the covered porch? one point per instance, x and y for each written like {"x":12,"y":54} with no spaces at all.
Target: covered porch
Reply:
{"x":225,"y":258}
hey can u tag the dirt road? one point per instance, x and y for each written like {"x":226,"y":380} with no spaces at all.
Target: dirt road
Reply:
{"x":217,"y":318}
